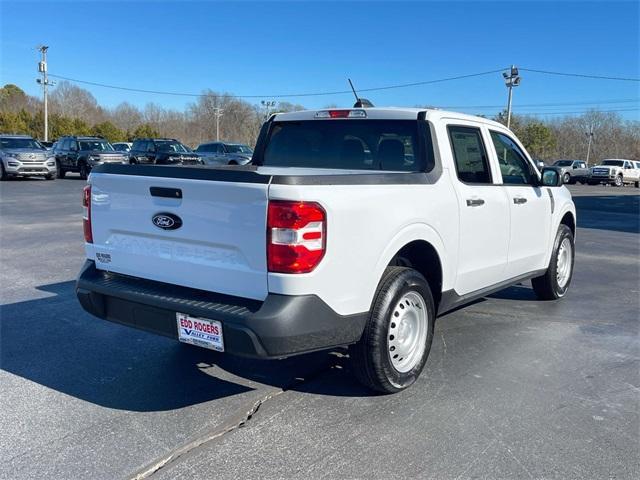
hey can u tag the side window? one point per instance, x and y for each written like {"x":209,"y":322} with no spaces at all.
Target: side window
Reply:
{"x":513,"y":164}
{"x":73,"y":145}
{"x":220,"y":148}
{"x":469,"y":154}
{"x":136,"y":145}
{"x":151,"y":147}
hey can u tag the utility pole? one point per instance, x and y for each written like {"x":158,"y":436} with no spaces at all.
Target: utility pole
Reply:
{"x":511,"y":79}
{"x":267,"y":104}
{"x":590,"y":135}
{"x":218,"y":114}
{"x":44,"y":81}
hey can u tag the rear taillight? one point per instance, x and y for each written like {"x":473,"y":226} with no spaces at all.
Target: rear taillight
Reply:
{"x":296,"y":236}
{"x":86,"y":214}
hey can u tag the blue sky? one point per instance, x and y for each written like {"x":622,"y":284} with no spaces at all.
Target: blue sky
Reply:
{"x":267,"y":48}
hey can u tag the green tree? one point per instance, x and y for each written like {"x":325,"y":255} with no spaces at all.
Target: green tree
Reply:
{"x":143,"y":131}
{"x":538,"y":139}
{"x":109,"y":131}
{"x":11,"y":122}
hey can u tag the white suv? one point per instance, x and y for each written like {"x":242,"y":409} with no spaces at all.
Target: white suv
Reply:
{"x":350,"y":227}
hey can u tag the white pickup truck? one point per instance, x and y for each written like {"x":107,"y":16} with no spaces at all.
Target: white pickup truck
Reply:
{"x":349,"y":227}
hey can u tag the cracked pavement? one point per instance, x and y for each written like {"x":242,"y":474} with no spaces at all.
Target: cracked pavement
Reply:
{"x":514,"y":387}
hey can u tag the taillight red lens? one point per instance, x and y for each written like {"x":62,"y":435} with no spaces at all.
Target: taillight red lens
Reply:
{"x":86,"y":214}
{"x":296,"y":236}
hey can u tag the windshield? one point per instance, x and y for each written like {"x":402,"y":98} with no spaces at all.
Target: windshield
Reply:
{"x":345,"y":144}
{"x":239,"y":149}
{"x":95,"y":145}
{"x":613,"y":163}
{"x":170,"y":146}
{"x":18,"y":143}
{"x":563,"y":163}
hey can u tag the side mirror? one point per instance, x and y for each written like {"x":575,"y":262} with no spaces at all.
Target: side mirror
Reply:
{"x":575,"y":166}
{"x":551,"y":177}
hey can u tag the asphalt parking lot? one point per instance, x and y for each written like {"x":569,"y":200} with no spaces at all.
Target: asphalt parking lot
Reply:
{"x":514,"y":387}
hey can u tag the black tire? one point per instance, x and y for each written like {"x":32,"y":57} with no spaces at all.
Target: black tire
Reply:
{"x":233,"y":162}
{"x":51,"y":176}
{"x":370,"y":357}
{"x":60,"y":172}
{"x":132,"y":161}
{"x":566,"y":178}
{"x":84,"y":171}
{"x":618,"y":182}
{"x":637,"y":184}
{"x":546,"y":286}
{"x":3,"y":173}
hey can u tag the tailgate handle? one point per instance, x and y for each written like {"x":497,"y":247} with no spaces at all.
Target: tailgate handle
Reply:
{"x":165,"y":192}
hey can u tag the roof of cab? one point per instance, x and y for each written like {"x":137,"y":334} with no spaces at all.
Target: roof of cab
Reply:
{"x":389,"y":113}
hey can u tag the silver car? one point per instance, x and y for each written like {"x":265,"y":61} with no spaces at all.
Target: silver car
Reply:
{"x":22,"y":156}
{"x":223,"y":153}
{"x":573,"y":171}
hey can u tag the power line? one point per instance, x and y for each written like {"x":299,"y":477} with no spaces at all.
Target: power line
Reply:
{"x":581,"y":111}
{"x":581,"y":75}
{"x":287,"y":95}
{"x":562,"y":104}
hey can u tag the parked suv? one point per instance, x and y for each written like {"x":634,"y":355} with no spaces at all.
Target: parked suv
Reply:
{"x":573,"y":170}
{"x":162,"y":151}
{"x":81,"y":154}
{"x":222,"y":153}
{"x":615,"y":172}
{"x":21,"y":155}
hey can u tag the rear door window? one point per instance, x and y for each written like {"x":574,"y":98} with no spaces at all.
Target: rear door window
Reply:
{"x":470,"y":155}
{"x":391,"y":145}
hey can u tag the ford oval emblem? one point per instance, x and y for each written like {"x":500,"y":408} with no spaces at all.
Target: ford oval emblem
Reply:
{"x":167,"y":221}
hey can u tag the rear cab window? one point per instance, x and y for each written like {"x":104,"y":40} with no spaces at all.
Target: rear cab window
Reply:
{"x":372,"y":144}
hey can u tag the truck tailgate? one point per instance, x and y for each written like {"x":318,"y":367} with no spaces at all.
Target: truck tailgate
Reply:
{"x":220,"y":245}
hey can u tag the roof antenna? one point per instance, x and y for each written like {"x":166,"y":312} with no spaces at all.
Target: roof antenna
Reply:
{"x":360,"y":102}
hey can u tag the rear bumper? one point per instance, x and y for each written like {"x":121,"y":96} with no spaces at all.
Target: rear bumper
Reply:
{"x":280,"y":326}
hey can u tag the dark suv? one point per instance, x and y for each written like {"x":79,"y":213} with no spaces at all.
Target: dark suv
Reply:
{"x":162,"y":151}
{"x":81,"y":154}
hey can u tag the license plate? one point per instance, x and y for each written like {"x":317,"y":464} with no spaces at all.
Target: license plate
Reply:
{"x":201,"y":332}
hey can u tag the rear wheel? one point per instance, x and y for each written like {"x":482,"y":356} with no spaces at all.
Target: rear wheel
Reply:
{"x":556,"y":280}
{"x":397,"y":339}
{"x":618,"y":181}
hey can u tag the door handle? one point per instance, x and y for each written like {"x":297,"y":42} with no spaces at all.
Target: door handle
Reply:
{"x":474,"y":202}
{"x":519,"y":200}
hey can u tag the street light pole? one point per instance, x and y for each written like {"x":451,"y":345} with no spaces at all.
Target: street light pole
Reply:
{"x":590,"y":135}
{"x":218,"y":114}
{"x":267,"y":104}
{"x":511,"y":79}
{"x":44,"y":81}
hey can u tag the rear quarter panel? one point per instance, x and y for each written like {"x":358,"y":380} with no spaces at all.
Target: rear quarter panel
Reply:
{"x":366,"y":226}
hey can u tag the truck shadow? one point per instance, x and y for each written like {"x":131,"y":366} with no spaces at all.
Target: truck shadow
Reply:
{"x":620,"y":213}
{"x":53,"y":342}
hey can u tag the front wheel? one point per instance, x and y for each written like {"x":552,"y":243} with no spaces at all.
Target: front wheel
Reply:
{"x":637,"y":184}
{"x":3,"y":173}
{"x":618,"y":181}
{"x":50,"y":176}
{"x":84,"y":171}
{"x":397,"y":337}
{"x":556,"y":280}
{"x":566,"y":178}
